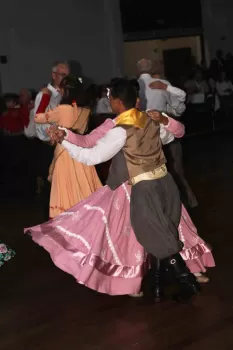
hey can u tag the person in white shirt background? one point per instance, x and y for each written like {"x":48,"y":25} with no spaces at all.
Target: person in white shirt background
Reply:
{"x":197,"y":88}
{"x":48,"y":98}
{"x":59,"y":71}
{"x":158,"y":94}
{"x":224,"y":96}
{"x":224,"y":86}
{"x":103,"y":104}
{"x":175,"y":99}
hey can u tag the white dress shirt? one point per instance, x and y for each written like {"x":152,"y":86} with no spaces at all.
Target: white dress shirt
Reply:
{"x":103,"y":106}
{"x":171,"y":101}
{"x":165,"y":135}
{"x":53,"y":103}
{"x":107,"y":147}
{"x":30,"y":130}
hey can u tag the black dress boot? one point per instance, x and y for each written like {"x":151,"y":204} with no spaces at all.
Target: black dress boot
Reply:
{"x":157,"y":283}
{"x":185,"y":280}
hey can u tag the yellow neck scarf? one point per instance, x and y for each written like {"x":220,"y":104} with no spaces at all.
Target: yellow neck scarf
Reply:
{"x":132,"y":117}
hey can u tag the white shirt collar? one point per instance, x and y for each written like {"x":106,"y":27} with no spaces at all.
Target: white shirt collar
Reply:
{"x":145,"y":75}
{"x":55,"y":92}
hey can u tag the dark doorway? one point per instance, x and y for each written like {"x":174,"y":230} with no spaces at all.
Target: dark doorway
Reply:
{"x":177,"y":64}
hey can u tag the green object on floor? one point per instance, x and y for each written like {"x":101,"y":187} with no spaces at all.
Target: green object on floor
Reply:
{"x":5,"y":253}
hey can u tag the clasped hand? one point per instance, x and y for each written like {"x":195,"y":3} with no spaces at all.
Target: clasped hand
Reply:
{"x":55,"y":134}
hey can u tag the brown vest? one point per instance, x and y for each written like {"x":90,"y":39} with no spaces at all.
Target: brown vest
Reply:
{"x":141,"y":153}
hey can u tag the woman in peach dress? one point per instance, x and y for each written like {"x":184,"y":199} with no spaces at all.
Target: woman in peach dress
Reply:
{"x":71,"y":180}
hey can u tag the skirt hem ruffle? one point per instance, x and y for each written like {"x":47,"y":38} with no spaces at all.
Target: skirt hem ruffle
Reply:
{"x":86,"y":274}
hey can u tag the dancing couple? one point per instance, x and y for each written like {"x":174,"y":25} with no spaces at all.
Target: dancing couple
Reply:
{"x":94,"y":240}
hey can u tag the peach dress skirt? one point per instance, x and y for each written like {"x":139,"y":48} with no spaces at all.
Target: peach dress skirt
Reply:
{"x":71,"y":182}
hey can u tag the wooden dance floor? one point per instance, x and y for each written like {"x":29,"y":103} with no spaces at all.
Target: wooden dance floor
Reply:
{"x":43,"y":308}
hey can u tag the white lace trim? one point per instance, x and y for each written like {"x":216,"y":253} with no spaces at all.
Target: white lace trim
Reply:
{"x":138,"y":257}
{"x":104,"y":218}
{"x":74,"y":235}
{"x":67,"y":213}
{"x":191,"y":228}
{"x":126,"y":192}
{"x":180,"y":230}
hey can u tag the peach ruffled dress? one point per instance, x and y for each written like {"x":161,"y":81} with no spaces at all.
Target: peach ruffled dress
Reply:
{"x":71,"y":181}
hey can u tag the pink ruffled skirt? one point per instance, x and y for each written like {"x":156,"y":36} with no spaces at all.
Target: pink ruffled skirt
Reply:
{"x":94,"y":242}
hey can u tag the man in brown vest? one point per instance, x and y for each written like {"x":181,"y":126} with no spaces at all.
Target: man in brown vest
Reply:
{"x":135,"y":146}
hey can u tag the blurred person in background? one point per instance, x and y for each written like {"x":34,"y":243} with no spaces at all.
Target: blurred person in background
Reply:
{"x":157,"y":94}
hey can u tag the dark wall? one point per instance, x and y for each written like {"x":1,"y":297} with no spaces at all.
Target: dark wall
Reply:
{"x":159,"y":15}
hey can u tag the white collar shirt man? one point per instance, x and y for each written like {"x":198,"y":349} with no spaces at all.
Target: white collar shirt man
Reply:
{"x":55,"y":100}
{"x":171,"y":101}
{"x":103,"y":106}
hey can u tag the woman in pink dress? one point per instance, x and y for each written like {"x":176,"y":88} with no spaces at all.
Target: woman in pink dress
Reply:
{"x":94,"y":240}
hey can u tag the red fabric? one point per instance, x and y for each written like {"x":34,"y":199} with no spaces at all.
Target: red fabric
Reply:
{"x":15,"y":119}
{"x":12,"y":121}
{"x":43,"y":103}
{"x":24,"y":114}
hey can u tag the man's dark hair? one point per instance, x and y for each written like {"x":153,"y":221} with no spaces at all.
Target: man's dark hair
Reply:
{"x":126,"y":91}
{"x":115,"y":79}
{"x":136,"y":84}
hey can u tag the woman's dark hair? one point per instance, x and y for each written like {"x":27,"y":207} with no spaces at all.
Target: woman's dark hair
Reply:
{"x":126,"y":91}
{"x":103,"y":90}
{"x":74,"y":91}
{"x":136,"y":84}
{"x":91,"y":95}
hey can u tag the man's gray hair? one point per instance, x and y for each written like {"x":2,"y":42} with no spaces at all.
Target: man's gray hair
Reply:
{"x":144,"y":66}
{"x":58,"y":63}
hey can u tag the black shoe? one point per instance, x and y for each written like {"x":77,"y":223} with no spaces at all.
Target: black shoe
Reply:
{"x":185,"y":280}
{"x":157,"y":282}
